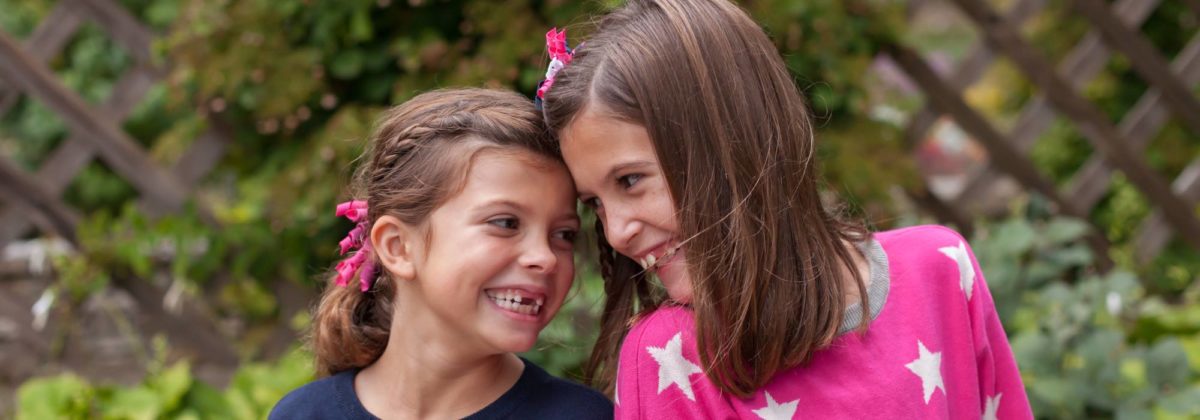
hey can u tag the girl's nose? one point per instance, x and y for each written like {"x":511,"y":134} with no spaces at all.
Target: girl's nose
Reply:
{"x":538,"y":257}
{"x":620,"y":227}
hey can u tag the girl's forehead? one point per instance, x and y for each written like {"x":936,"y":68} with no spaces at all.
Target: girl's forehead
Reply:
{"x":507,"y":172}
{"x":596,"y":154}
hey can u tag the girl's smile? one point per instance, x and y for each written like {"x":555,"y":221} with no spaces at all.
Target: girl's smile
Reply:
{"x":618,"y":174}
{"x":494,"y":262}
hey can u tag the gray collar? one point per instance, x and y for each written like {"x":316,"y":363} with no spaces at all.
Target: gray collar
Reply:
{"x":877,"y":290}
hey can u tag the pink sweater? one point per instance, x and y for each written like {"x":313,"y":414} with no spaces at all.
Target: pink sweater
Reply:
{"x":934,"y":349}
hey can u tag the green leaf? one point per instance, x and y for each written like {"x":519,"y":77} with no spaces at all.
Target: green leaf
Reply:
{"x":172,"y":384}
{"x":1014,"y":237}
{"x":1061,"y":230}
{"x":1166,"y":365}
{"x":360,"y":25}
{"x":347,"y":64}
{"x":136,"y":404}
{"x":63,"y":396}
{"x":1182,"y":403}
{"x":207,"y":402}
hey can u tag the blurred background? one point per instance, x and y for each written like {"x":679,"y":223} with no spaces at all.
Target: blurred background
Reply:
{"x":169,"y":169}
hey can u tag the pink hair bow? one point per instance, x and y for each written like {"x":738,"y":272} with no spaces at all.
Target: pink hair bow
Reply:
{"x":560,"y":56}
{"x":356,"y":211}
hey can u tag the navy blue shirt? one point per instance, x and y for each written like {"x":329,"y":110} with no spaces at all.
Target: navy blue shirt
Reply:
{"x":536,"y":395}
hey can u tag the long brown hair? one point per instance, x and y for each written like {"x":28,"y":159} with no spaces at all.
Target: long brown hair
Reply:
{"x":417,"y":158}
{"x":735,"y":142}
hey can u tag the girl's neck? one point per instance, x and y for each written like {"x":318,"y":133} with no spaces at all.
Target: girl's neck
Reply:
{"x":417,"y":377}
{"x":863,"y":269}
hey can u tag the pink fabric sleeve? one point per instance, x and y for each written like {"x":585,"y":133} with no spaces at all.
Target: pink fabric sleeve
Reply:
{"x":1002,"y":391}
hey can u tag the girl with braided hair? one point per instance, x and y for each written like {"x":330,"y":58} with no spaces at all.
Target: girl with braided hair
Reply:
{"x":463,"y":255}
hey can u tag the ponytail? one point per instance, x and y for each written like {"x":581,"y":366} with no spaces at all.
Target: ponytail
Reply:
{"x":351,"y":327}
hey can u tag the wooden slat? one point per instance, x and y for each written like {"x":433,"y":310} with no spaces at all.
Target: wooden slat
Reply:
{"x":1139,"y":125}
{"x":30,"y":195}
{"x":967,"y":73}
{"x":46,"y":42}
{"x":1154,"y":232}
{"x":121,"y":26}
{"x":944,"y":99}
{"x":1145,"y":59}
{"x":203,"y":154}
{"x":1090,"y":121}
{"x":1003,"y":155}
{"x":60,"y":168}
{"x":198,"y":160}
{"x":1083,"y":63}
{"x":120,"y":152}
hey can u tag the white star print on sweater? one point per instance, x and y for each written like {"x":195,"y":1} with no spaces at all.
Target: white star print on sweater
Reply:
{"x":928,"y":367}
{"x":673,"y":368}
{"x":966,"y":269}
{"x":934,"y":350}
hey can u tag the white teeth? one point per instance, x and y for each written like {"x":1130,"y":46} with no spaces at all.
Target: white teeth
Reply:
{"x":647,"y":262}
{"x":512,"y":300}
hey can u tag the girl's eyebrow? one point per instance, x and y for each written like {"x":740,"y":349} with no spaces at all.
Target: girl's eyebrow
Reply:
{"x":517,"y":207}
{"x":612,"y":172}
{"x":501,"y":202}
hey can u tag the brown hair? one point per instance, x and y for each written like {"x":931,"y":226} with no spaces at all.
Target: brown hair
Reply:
{"x":417,"y":158}
{"x":735,"y":142}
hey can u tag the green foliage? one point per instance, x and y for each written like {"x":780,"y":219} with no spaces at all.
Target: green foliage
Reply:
{"x":1088,"y":345}
{"x":167,"y":392}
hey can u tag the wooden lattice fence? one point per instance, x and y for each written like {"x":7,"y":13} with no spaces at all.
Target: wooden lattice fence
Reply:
{"x":32,"y":199}
{"x":1117,"y":147}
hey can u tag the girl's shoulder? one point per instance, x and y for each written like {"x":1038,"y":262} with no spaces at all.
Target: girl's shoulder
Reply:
{"x":920,"y":248}
{"x":662,"y":324}
{"x":329,"y":397}
{"x":929,"y":235}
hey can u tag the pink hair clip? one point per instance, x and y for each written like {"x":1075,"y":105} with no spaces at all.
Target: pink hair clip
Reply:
{"x":356,"y":211}
{"x":560,"y":56}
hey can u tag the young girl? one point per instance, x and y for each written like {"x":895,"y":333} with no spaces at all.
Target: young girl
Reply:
{"x":463,"y":255}
{"x":683,"y":130}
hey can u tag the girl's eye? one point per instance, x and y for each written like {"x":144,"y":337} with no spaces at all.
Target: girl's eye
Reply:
{"x":628,"y":181}
{"x":567,"y":235}
{"x":505,"y":223}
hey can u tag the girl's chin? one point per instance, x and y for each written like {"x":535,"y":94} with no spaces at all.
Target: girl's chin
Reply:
{"x":680,"y":297}
{"x":678,"y":285}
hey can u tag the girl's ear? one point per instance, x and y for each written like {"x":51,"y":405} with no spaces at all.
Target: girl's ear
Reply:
{"x":393,"y":242}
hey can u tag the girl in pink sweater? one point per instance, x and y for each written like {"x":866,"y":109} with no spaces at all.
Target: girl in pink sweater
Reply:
{"x":732,"y":291}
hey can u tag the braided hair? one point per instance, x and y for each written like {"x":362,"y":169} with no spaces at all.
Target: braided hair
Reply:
{"x":417,"y":158}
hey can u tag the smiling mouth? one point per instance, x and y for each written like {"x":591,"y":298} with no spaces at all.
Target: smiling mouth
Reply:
{"x":512,"y":300}
{"x":650,"y":262}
